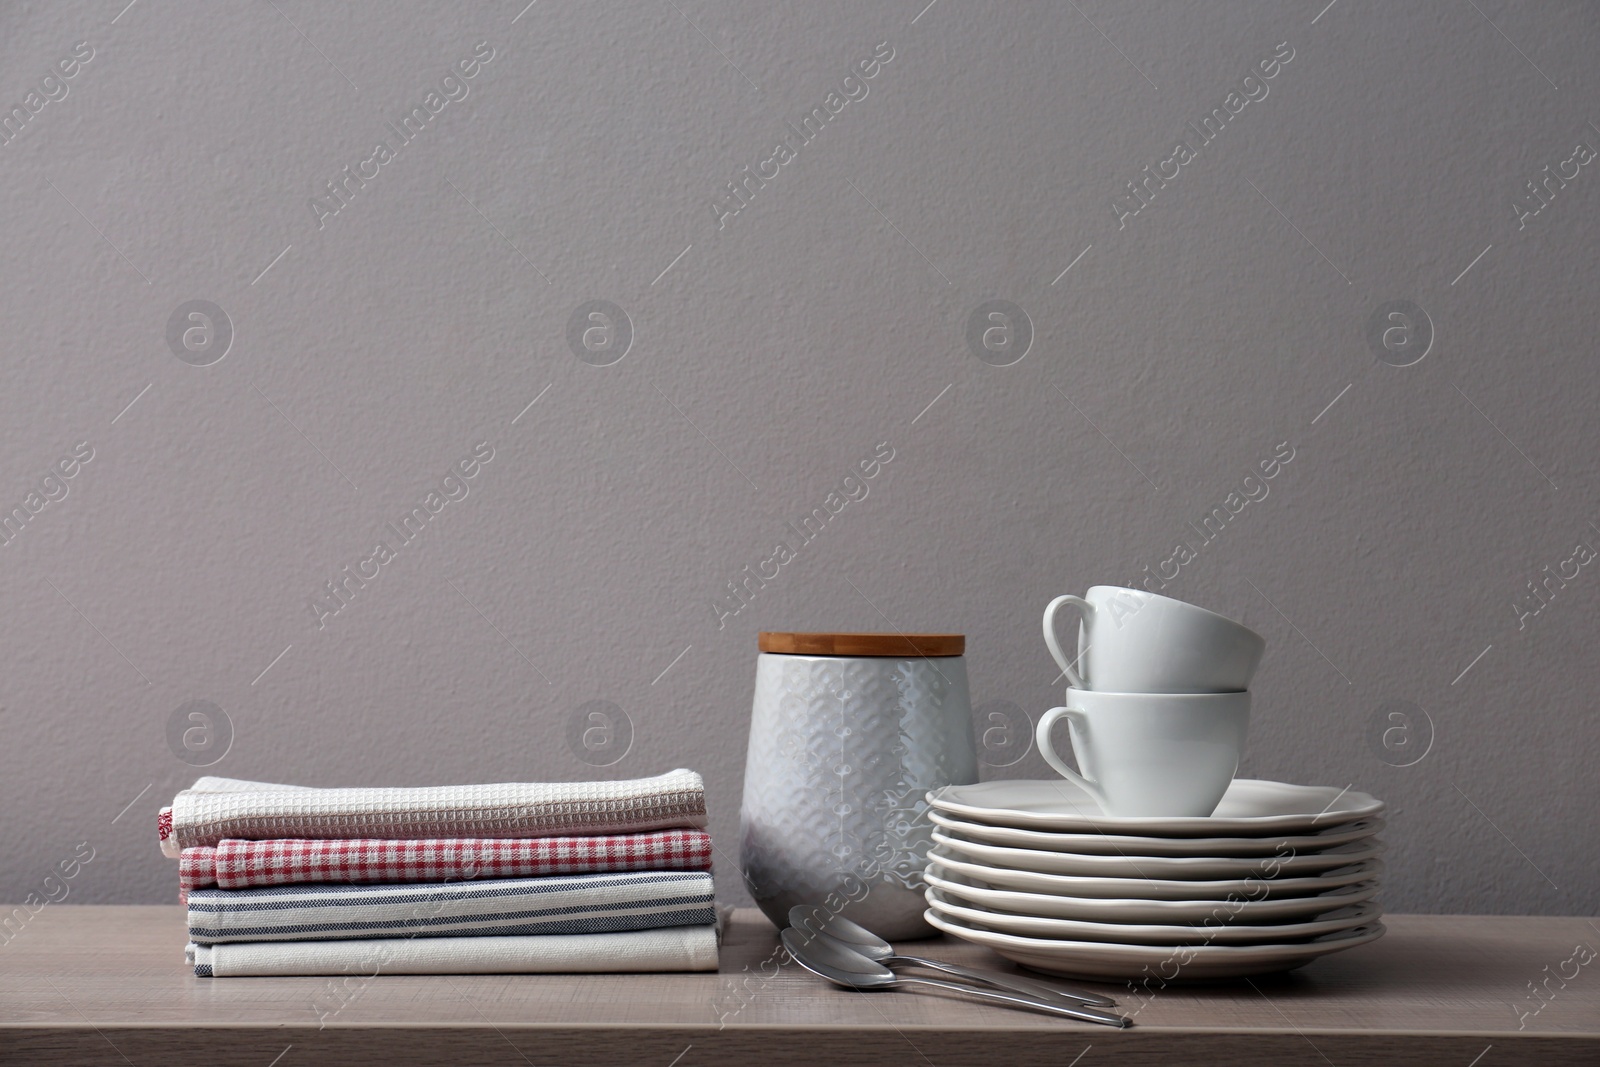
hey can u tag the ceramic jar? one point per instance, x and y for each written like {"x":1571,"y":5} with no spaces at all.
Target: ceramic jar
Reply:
{"x":848,"y":733}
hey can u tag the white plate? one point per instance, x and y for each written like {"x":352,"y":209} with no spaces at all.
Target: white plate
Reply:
{"x":1158,"y":963}
{"x":1250,"y":807}
{"x":1181,"y":867}
{"x":1134,"y":910}
{"x":1139,"y":933}
{"x":1099,"y":844}
{"x":1156,"y":888}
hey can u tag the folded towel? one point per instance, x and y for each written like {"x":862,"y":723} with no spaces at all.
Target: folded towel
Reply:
{"x":224,"y":808}
{"x":676,"y":948}
{"x":245,"y":864}
{"x":563,"y":904}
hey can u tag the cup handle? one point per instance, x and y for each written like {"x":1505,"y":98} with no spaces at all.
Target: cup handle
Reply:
{"x":1086,"y":609}
{"x":1042,"y":738}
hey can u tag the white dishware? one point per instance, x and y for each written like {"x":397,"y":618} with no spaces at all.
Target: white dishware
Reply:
{"x":1248,"y":888}
{"x":1101,"y":844}
{"x":1279,"y":865}
{"x":1277,"y":876}
{"x":1151,"y":754}
{"x":1250,"y":806}
{"x":1134,"y":641}
{"x":1141,"y":910}
{"x":1216,"y":933}
{"x":847,"y":734}
{"x":1158,"y":963}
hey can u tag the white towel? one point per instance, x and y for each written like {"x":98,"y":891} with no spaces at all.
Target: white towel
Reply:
{"x":219,"y":808}
{"x":677,"y":948}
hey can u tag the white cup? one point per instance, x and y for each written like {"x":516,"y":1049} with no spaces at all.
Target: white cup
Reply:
{"x":1133,"y":641}
{"x":1151,"y":754}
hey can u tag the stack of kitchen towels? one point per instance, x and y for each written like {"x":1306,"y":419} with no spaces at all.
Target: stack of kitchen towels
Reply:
{"x":474,"y":879}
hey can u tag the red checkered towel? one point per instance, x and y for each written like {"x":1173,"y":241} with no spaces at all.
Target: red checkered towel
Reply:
{"x":234,"y":864}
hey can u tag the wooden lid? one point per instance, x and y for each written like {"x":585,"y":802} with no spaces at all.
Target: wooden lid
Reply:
{"x":898,"y":646}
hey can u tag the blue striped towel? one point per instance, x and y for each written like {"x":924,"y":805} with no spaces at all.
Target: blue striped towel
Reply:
{"x":566,"y":904}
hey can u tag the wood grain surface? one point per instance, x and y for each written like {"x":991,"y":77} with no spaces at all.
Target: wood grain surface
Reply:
{"x":107,"y":985}
{"x":897,"y":646}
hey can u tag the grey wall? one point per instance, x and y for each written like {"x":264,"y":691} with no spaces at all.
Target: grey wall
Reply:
{"x":373,"y":348}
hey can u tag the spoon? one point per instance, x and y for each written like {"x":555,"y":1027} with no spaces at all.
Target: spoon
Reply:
{"x":817,"y":920}
{"x":830,"y":960}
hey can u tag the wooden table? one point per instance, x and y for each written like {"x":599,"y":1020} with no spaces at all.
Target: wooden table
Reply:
{"x":107,"y":985}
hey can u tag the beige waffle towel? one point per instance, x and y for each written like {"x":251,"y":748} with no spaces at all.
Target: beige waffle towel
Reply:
{"x":219,"y":808}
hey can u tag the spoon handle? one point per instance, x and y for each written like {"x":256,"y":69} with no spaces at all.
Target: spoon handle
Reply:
{"x":1018,"y":1000}
{"x":1015,"y":983}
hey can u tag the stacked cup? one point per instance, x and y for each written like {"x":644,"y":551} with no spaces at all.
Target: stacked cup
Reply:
{"x":1184,"y":872}
{"x":1159,"y":701}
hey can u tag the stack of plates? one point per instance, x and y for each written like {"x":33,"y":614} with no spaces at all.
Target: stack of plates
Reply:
{"x":1276,"y":877}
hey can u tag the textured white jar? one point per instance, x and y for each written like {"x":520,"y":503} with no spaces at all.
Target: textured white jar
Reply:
{"x":842,"y":751}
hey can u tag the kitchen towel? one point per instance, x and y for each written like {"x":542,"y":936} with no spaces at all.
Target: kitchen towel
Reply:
{"x":563,"y":904}
{"x":235,"y":864}
{"x":675,"y":948}
{"x":223,"y":808}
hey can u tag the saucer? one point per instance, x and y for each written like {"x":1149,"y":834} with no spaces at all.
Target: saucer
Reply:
{"x":1252,"y":888}
{"x":1179,"y":867}
{"x":1137,"y":933}
{"x":1138,"y":910}
{"x":1158,"y":963}
{"x":1130,"y":844}
{"x":1250,"y":807}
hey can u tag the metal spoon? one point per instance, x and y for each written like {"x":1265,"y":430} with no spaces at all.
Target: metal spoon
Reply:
{"x":818,"y":920}
{"x":831,"y":960}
